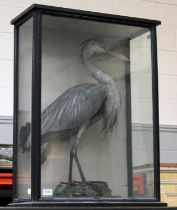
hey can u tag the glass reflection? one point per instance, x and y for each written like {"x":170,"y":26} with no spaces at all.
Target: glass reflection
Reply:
{"x":24,"y":110}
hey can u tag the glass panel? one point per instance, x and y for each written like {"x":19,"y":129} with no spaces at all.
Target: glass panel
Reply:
{"x":85,"y":88}
{"x":24,"y":110}
{"x":142,"y":118}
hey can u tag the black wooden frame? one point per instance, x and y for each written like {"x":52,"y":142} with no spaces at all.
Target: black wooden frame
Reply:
{"x":36,"y":11}
{"x":129,"y":123}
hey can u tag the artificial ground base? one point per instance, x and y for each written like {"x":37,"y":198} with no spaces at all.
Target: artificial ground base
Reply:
{"x":80,"y":189}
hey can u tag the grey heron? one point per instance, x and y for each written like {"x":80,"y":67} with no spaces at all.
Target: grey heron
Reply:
{"x":80,"y":106}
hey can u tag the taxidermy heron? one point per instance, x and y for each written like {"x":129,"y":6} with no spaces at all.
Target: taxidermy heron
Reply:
{"x":80,"y":106}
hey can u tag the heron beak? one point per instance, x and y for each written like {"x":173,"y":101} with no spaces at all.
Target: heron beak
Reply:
{"x":117,"y":55}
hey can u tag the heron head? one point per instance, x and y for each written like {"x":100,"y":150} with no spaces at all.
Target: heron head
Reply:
{"x":93,"y":46}
{"x":101,"y":45}
{"x":96,"y":47}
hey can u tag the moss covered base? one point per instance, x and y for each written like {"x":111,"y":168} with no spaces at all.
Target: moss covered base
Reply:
{"x":79,"y":189}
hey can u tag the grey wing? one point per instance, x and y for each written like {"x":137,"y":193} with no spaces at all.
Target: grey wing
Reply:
{"x":74,"y":107}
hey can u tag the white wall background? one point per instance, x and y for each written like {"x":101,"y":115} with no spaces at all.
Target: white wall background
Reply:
{"x":164,"y":10}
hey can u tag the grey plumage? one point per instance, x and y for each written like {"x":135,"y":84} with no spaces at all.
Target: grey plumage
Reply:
{"x":81,"y":106}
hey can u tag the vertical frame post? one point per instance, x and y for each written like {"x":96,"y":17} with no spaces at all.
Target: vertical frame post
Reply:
{"x":156,"y":144}
{"x":129,"y":124}
{"x":15,"y":111}
{"x":36,"y":108}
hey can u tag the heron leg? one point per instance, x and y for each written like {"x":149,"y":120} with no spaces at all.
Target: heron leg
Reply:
{"x":79,"y":167}
{"x":71,"y":164}
{"x":73,"y":155}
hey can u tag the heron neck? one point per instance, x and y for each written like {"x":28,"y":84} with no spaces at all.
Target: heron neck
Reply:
{"x":96,"y":73}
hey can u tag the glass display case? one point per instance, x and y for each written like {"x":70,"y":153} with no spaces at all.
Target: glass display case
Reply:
{"x":86,"y":108}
